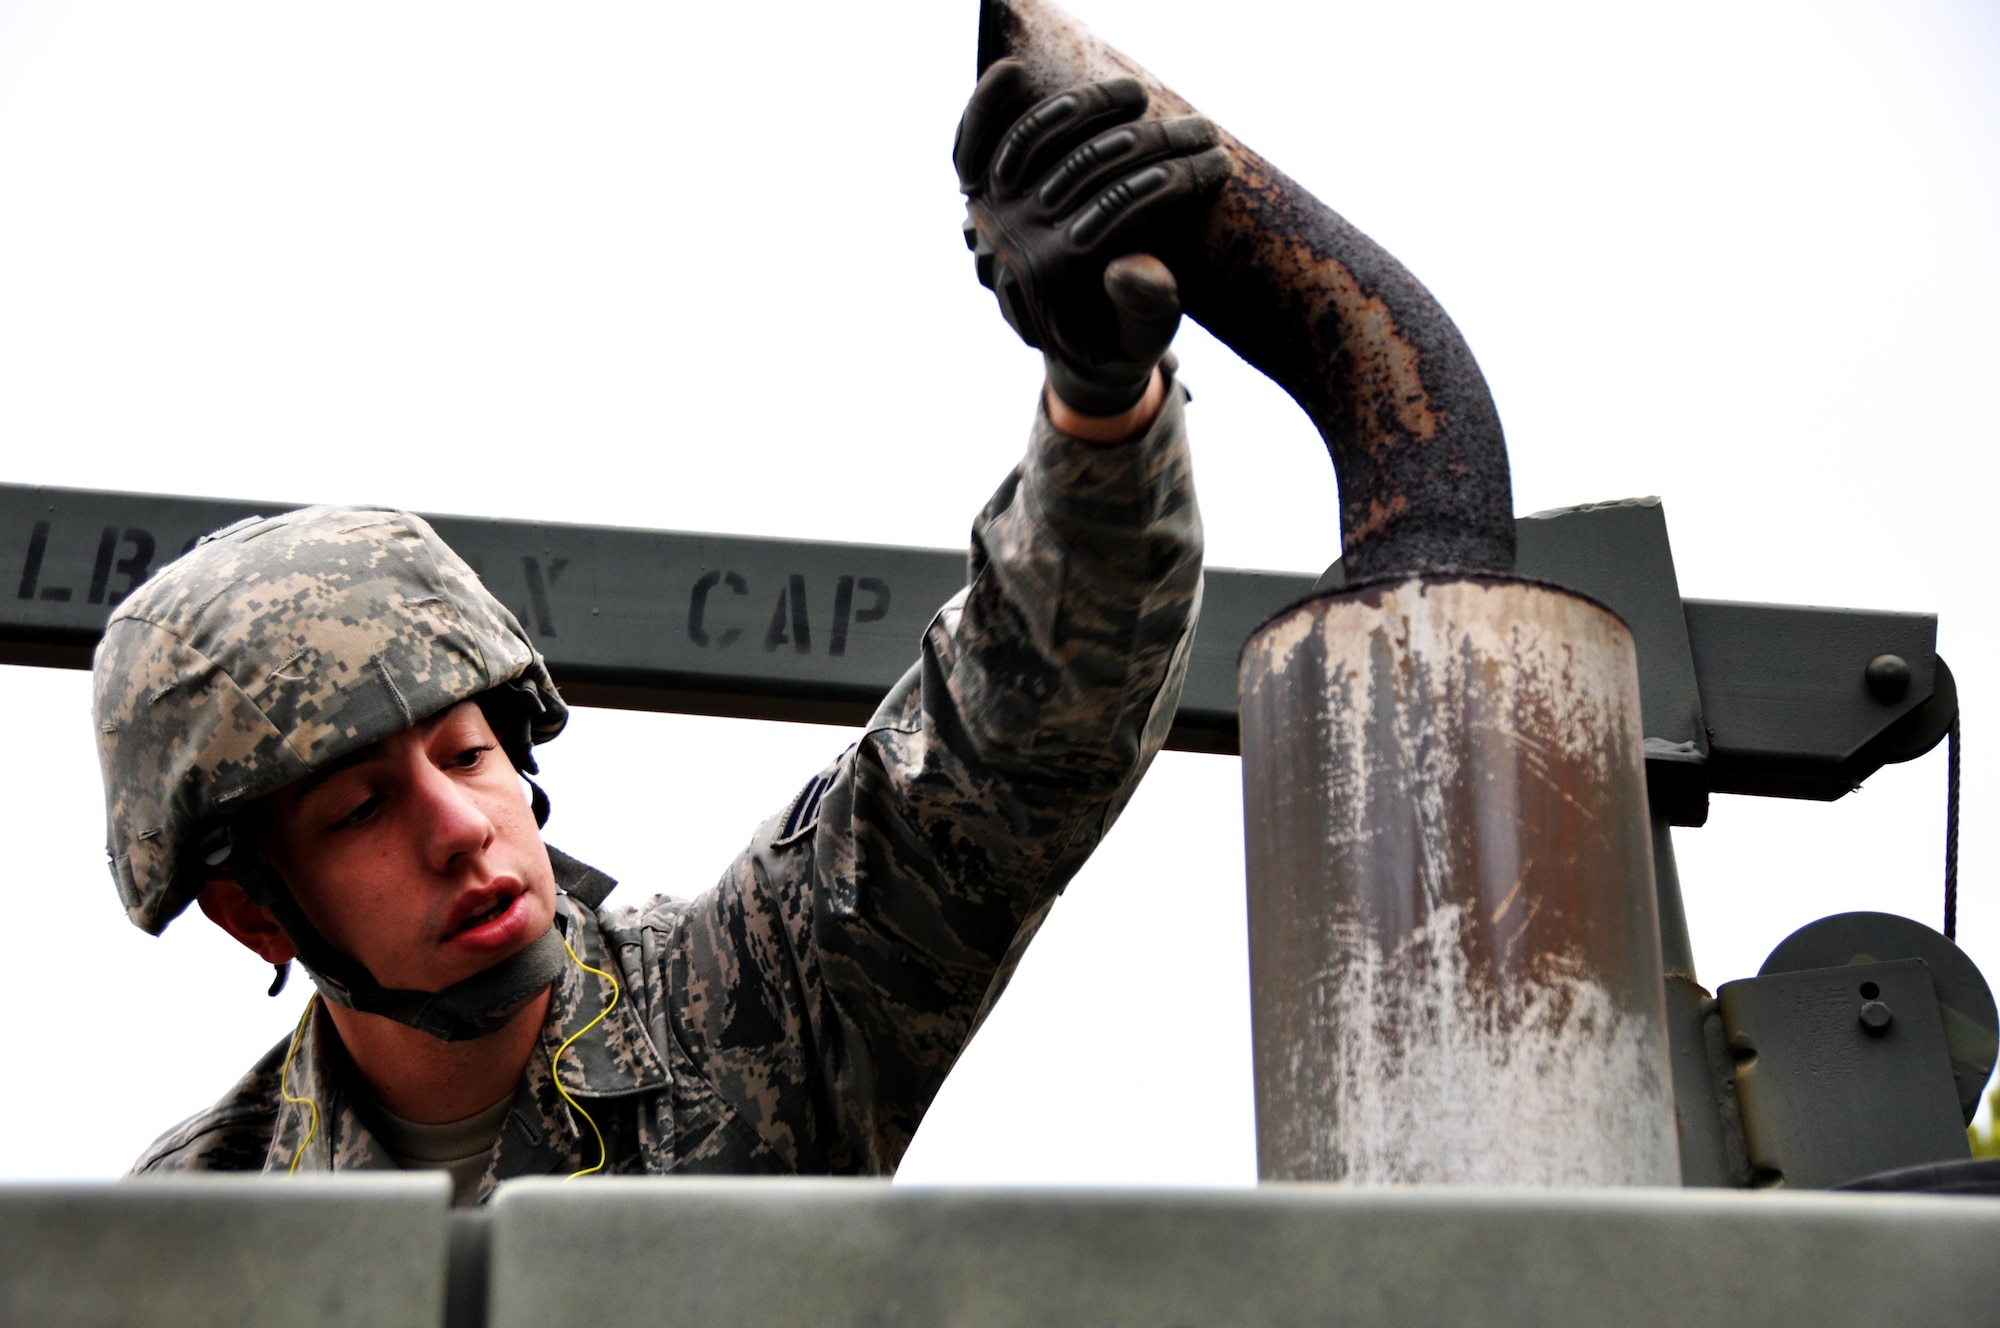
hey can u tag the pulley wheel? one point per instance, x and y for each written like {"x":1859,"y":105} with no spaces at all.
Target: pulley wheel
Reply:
{"x":1971,"y":1025}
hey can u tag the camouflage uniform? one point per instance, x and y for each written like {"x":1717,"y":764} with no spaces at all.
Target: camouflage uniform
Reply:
{"x":801,"y":1016}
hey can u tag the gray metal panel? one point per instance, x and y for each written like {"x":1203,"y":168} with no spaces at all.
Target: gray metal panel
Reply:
{"x":1824,"y":1099}
{"x":830,"y":1253}
{"x":368,"y":1252}
{"x":1619,"y":555}
{"x":1785,"y":694}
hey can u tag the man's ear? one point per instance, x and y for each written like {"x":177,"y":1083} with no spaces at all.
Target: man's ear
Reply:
{"x":229,"y":908}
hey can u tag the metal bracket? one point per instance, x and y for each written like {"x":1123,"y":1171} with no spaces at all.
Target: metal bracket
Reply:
{"x":1841,"y":1072}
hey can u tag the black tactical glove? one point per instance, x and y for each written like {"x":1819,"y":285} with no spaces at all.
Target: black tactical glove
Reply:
{"x":1055,"y":192}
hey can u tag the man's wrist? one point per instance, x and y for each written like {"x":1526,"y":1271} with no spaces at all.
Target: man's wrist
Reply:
{"x":1122,"y":427}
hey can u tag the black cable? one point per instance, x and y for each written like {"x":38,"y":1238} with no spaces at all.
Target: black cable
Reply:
{"x":1951,"y":834}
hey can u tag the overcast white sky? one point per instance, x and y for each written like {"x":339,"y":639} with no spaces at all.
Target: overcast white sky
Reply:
{"x":698,"y":267}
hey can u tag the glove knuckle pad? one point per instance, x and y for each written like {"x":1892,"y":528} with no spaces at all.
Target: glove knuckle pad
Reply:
{"x":1023,"y":143}
{"x":1117,"y":204}
{"x":1123,"y":151}
{"x":1075,"y":171}
{"x":995,"y":104}
{"x":1059,"y":123}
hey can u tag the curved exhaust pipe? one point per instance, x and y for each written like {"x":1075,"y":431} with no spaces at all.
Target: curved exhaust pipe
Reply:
{"x":1333,"y":319}
{"x":1455,"y":967}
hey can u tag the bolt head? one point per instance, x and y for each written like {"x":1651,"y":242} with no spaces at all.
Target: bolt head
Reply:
{"x":1875,"y":1017}
{"x":1888,"y":677}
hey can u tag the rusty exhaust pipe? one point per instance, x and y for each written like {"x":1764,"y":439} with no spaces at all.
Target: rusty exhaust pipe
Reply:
{"x":1332,"y":318}
{"x":1454,"y":941}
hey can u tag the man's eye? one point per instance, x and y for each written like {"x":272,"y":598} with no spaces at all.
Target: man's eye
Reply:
{"x":470,"y":757}
{"x":362,"y":811}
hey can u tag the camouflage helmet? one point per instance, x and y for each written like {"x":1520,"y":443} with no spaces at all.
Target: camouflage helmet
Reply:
{"x":271,"y":649}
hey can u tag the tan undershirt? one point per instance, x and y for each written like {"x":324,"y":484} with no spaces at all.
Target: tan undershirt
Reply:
{"x":460,"y":1147}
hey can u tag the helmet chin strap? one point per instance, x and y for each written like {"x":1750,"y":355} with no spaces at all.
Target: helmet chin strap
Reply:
{"x":474,"y":1007}
{"x":470,"y":1008}
{"x":467,"y":1009}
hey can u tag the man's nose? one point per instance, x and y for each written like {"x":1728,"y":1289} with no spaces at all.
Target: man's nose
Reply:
{"x":454,"y":822}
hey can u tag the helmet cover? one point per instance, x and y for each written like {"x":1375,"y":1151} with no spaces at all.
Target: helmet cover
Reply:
{"x":271,"y":649}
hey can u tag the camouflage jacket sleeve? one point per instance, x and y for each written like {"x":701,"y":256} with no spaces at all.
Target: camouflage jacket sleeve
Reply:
{"x":827,"y":984}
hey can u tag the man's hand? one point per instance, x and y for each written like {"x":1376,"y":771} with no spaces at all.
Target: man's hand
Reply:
{"x":1059,"y":195}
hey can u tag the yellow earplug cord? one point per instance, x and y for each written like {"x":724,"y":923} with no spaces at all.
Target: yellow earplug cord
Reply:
{"x":285,"y":1090}
{"x":555,"y":1061}
{"x":555,"y":1072}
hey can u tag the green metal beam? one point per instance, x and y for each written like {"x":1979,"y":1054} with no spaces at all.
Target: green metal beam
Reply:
{"x":1737,"y":697}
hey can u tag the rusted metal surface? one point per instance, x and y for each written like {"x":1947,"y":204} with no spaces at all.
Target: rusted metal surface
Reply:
{"x":1334,"y":320}
{"x":1455,"y":944}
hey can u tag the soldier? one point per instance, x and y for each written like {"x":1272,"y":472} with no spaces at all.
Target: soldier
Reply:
{"x":317,"y":726}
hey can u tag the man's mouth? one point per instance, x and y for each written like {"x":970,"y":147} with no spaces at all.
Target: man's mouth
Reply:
{"x":484,"y":915}
{"x":485,"y":909}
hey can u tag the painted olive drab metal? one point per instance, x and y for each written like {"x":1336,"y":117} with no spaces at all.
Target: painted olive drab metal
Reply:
{"x":1333,"y":319}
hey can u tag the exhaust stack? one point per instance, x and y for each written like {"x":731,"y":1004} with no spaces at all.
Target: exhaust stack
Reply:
{"x":1454,"y":941}
{"x":1334,"y":320}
